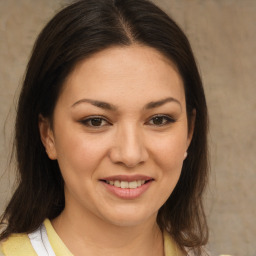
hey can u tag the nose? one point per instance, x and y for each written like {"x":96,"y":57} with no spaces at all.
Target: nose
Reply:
{"x":128,"y":147}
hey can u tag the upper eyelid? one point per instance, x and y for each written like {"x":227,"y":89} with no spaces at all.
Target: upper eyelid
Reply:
{"x":107,"y":119}
{"x":95,"y":116}
{"x":162,"y":115}
{"x":86,"y":119}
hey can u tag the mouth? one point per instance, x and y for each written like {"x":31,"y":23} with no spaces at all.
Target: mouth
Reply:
{"x":127,"y":187}
{"x":126,"y":184}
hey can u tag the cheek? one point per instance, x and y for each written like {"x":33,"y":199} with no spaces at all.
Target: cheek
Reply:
{"x":78,"y":159}
{"x":78,"y":154}
{"x":168,"y":150}
{"x":168,"y":153}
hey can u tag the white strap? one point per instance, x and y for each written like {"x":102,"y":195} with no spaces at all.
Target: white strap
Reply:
{"x":40,"y":242}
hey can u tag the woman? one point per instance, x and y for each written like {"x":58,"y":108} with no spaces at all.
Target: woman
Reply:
{"x":110,"y":138}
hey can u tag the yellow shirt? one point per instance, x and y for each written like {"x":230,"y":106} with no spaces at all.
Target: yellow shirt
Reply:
{"x":19,"y":244}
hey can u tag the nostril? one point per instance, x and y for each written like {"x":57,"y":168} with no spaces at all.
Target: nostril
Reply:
{"x":128,"y":154}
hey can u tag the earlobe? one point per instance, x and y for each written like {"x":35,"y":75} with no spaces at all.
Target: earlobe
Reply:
{"x":47,"y":137}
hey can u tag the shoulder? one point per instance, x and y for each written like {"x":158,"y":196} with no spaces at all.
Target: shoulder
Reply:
{"x":16,"y":245}
{"x":204,"y":252}
{"x":171,"y":248}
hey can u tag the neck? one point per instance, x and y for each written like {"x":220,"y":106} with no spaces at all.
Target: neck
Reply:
{"x":86,"y":234}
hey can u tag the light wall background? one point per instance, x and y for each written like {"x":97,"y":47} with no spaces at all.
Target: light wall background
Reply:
{"x":223,"y":36}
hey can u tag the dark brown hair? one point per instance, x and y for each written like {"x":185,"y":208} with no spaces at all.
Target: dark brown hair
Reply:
{"x":78,"y":31}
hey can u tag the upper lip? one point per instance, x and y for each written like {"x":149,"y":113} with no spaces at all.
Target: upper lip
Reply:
{"x":127,"y":177}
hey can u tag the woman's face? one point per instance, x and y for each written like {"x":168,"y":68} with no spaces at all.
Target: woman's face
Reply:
{"x":119,"y":134}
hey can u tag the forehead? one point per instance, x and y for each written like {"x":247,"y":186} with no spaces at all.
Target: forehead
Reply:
{"x":136,"y":71}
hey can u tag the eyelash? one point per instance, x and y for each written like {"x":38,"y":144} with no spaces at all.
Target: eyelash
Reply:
{"x":167,"y":119}
{"x":88,"y":121}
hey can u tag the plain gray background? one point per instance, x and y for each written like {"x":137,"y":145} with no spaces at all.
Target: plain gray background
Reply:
{"x":223,"y":36}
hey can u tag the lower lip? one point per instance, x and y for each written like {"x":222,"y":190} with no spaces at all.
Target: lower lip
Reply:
{"x":127,"y":193}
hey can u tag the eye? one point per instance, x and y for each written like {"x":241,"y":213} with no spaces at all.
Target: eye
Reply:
{"x":160,"y":120}
{"x":96,"y":122}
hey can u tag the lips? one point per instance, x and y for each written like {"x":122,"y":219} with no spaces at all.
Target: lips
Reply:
{"x":125,"y":181}
{"x":127,"y":178}
{"x":127,"y":187}
{"x":126,"y":184}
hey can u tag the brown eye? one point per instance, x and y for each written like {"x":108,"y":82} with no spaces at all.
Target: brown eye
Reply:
{"x":161,"y":120}
{"x":96,"y":122}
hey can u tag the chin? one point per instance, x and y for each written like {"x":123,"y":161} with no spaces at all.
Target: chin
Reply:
{"x":130,"y":218}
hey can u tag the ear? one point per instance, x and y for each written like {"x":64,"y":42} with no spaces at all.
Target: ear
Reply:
{"x":191,"y":127}
{"x":47,"y":137}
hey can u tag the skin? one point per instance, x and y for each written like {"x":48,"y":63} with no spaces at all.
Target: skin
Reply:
{"x":127,"y":139}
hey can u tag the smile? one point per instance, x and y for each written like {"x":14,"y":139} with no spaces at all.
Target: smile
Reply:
{"x":127,"y":187}
{"x":126,"y":184}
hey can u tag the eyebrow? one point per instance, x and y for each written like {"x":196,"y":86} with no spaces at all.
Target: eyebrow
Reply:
{"x":108,"y":106}
{"x":159,"y":103}
{"x":97,"y":103}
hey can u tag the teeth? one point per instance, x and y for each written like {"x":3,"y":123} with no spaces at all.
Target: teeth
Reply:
{"x":133,"y":184}
{"x":117,"y":183}
{"x":126,"y":184}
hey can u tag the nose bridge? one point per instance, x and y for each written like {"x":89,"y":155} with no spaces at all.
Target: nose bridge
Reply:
{"x":129,"y":145}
